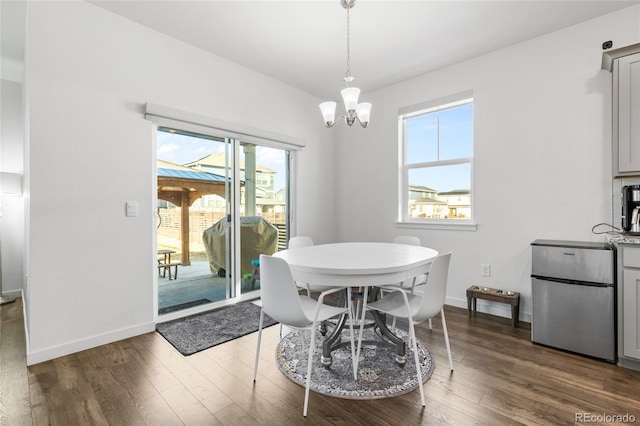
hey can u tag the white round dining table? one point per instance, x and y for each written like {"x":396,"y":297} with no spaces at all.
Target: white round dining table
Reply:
{"x":358,"y":264}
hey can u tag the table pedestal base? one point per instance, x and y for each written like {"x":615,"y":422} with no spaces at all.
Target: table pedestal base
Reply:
{"x":334,"y":341}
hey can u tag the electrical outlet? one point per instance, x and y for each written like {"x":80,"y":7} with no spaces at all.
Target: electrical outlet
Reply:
{"x":485,"y":270}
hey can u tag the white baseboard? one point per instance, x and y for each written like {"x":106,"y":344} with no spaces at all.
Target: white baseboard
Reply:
{"x":35,"y":357}
{"x":12,"y":293}
{"x":24,"y":320}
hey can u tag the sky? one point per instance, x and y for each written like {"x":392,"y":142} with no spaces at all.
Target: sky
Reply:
{"x":442,"y":135}
{"x":183,"y":149}
{"x":437,"y":136}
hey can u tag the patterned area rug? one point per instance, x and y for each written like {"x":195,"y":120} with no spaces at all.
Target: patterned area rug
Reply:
{"x":379,"y":376}
{"x":202,"y":331}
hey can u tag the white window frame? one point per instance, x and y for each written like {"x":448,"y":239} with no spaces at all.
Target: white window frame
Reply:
{"x":404,"y":221}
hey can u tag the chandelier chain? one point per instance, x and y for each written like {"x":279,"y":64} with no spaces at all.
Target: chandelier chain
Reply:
{"x":348,"y":78}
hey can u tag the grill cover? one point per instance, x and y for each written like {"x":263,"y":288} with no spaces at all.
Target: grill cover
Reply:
{"x":257,"y":236}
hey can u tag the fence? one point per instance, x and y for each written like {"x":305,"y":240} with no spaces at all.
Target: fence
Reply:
{"x":199,"y":220}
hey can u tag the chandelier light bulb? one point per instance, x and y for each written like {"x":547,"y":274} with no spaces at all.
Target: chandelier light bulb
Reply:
{"x":363,"y":111}
{"x":350,"y":97}
{"x":328,"y":110}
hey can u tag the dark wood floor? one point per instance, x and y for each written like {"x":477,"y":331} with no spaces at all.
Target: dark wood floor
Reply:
{"x":500,"y":377}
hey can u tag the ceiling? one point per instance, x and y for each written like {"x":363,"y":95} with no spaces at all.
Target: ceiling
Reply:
{"x":303,"y":42}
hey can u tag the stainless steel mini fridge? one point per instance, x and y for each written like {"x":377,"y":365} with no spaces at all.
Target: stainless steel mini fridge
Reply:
{"x":573,"y":297}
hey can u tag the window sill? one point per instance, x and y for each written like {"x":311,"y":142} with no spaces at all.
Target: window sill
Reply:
{"x":443,"y":226}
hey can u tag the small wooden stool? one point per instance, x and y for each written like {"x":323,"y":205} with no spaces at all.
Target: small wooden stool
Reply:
{"x":164,"y":267}
{"x":495,"y":295}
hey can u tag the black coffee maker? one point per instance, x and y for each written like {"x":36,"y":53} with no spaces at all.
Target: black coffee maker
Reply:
{"x":631,"y":209}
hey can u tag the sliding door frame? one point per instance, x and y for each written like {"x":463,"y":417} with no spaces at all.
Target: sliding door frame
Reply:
{"x":234,"y":136}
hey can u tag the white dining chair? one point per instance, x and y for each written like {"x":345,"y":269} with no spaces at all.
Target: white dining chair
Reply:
{"x":300,"y":241}
{"x":401,"y":239}
{"x":414,"y":241}
{"x":407,"y":239}
{"x":305,"y":241}
{"x":416,"y":307}
{"x":416,"y":281}
{"x":282,"y":302}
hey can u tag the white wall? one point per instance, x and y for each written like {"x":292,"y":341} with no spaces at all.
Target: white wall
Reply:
{"x":12,"y":207}
{"x":542,"y":154}
{"x":88,"y":73}
{"x":542,"y":132}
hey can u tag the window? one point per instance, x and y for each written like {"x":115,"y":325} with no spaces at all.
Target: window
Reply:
{"x":436,"y":152}
{"x":263,"y":179}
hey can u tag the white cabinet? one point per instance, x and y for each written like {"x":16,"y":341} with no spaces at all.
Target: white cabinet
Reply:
{"x":630,"y":314}
{"x":629,"y":305}
{"x":628,"y":120}
{"x":624,"y":63}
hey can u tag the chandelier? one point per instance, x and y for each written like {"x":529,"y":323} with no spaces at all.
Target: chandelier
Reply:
{"x":355,"y":111}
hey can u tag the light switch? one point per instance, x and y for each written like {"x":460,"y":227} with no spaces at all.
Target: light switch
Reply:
{"x":131,"y":208}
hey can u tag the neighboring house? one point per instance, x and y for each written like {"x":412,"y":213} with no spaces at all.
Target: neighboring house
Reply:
{"x":215,"y":163}
{"x":281,"y":196}
{"x":458,"y":201}
{"x":428,"y":208}
{"x":425,"y":202}
{"x":417,"y":192}
{"x":264,"y":184}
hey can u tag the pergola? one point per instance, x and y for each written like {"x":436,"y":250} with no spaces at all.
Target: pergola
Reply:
{"x":182,"y":186}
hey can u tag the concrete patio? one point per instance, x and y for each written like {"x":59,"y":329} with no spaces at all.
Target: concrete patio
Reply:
{"x":194,"y":284}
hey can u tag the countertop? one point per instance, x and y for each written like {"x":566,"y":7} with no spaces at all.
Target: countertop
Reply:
{"x":624,"y":239}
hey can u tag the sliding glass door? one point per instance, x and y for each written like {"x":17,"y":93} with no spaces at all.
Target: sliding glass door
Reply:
{"x":221,"y":203}
{"x":263,"y":207}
